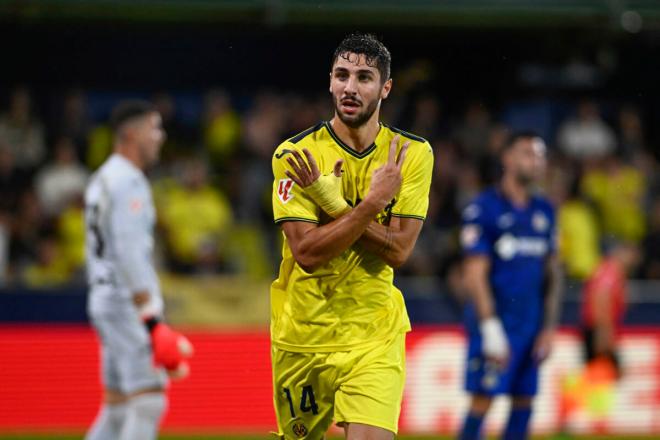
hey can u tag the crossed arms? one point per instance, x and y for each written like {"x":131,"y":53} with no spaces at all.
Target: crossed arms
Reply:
{"x":314,"y":245}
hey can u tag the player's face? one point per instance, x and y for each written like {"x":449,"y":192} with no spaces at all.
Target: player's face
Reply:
{"x":527,"y":160}
{"x":356,"y":89}
{"x":150,"y":138}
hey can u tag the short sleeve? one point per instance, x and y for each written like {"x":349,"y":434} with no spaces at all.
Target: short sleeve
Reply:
{"x":290,"y":203}
{"x":413,"y":198}
{"x":474,"y":231}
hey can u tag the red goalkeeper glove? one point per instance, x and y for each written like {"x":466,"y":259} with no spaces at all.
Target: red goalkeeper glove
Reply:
{"x":171,"y":348}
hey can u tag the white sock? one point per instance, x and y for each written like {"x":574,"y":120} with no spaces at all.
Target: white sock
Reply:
{"x":143,"y":417}
{"x":108,"y":423}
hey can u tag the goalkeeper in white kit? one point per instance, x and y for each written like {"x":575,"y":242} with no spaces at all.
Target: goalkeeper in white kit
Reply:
{"x":125,"y":306}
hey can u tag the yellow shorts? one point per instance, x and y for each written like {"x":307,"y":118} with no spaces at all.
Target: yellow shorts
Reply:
{"x":364,"y":385}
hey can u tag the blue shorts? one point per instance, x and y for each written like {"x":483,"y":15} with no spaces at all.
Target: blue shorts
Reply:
{"x":518,"y":378}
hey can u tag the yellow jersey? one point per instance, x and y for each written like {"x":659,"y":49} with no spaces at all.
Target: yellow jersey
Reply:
{"x":351,"y":301}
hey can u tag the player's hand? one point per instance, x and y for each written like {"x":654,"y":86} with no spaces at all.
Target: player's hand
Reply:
{"x":386,"y":180}
{"x":325,"y":190}
{"x":304,"y":172}
{"x":543,"y":345}
{"x":494,"y":343}
{"x":171,"y":349}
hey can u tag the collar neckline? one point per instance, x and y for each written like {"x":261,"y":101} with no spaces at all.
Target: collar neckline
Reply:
{"x":359,"y":154}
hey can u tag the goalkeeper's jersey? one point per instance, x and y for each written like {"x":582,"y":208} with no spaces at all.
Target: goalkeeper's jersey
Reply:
{"x":119,"y":241}
{"x":350,"y":301}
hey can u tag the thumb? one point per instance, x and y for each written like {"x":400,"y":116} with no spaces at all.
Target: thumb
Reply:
{"x":337,"y":170}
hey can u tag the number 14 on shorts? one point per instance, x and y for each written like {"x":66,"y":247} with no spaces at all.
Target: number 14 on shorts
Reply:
{"x":307,"y":401}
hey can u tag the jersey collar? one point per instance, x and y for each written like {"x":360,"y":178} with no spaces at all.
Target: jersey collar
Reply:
{"x":349,"y":150}
{"x":127,"y":163}
{"x":502,"y":195}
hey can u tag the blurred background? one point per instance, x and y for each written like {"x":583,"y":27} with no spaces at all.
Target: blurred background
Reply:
{"x":232,"y":79}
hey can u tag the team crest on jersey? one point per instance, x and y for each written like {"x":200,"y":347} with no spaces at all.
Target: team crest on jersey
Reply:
{"x":471,"y":212}
{"x":284,"y":190}
{"x":540,"y":222}
{"x":299,"y":429}
{"x":505,"y":220}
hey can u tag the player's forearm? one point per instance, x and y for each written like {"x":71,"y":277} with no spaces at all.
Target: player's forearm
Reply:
{"x":133,"y":269}
{"x":322,"y":244}
{"x":483,"y":299}
{"x":388,"y":242}
{"x":553,"y":295}
{"x":476,"y":270}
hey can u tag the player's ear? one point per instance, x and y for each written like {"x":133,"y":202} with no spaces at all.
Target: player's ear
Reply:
{"x":387,"y":87}
{"x":125,"y":133}
{"x":330,"y":82}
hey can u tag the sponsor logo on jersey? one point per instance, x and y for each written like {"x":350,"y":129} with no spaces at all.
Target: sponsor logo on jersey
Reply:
{"x":284,"y":188}
{"x":509,"y":246}
{"x":282,"y":153}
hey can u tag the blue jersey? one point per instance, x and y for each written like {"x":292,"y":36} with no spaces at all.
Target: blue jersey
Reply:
{"x":518,"y":241}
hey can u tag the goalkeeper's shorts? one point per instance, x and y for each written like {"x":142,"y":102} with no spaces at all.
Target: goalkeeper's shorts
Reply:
{"x":127,"y":364}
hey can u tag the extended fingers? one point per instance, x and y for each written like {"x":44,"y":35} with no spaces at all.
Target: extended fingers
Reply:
{"x":295,"y":167}
{"x":393,"y":144}
{"x":402,"y":154}
{"x":312,"y":164}
{"x":294,"y":178}
{"x":300,"y":168}
{"x":301,"y":162}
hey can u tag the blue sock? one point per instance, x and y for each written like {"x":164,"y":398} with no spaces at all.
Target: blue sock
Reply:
{"x":472,"y":426}
{"x":518,"y":424}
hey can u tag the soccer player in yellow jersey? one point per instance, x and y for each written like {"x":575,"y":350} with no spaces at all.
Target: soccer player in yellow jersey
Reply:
{"x":350,"y":196}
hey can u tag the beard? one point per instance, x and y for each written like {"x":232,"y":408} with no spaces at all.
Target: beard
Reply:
{"x":525,"y":179}
{"x":149,"y":156}
{"x":359,"y":119}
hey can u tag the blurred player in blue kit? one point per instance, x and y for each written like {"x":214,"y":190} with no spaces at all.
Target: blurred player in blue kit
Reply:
{"x":512,"y":278}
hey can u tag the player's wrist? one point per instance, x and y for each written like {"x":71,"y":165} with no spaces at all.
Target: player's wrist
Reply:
{"x":151,"y":322}
{"x":369,"y":206}
{"x":148,"y":307}
{"x":326,"y":192}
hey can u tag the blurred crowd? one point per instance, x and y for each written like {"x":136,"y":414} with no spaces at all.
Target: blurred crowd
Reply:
{"x":212,"y":186}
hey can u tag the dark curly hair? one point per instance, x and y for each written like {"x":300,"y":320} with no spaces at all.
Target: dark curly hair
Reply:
{"x":375,"y":53}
